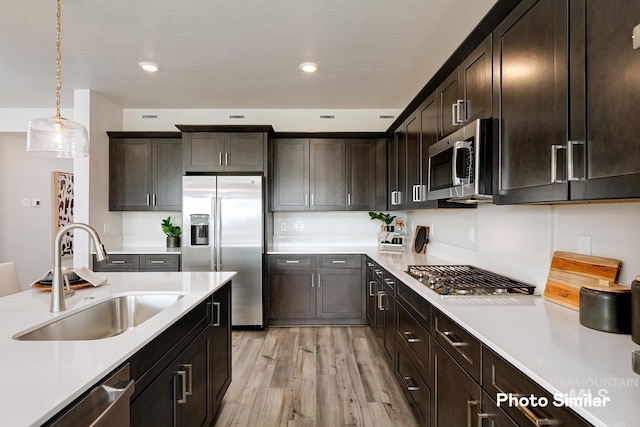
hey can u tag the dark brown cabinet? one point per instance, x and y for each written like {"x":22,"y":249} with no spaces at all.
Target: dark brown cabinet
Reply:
{"x":224,"y":148}
{"x":300,"y":293}
{"x":453,"y":391}
{"x":145,"y":171}
{"x":138,"y":262}
{"x":567,"y":109}
{"x":182,"y":375}
{"x":465,"y":95}
{"x":361,"y":155}
{"x":328,"y":174}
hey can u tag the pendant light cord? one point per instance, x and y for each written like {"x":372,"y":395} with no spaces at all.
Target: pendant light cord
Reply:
{"x":58,"y":60}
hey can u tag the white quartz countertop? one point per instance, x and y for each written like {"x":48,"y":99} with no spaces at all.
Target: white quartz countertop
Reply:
{"x":544,"y":340}
{"x":42,"y":377}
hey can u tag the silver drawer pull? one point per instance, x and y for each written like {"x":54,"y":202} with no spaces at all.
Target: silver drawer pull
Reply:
{"x":410,"y":337}
{"x":538,"y":421}
{"x":338,"y":261}
{"x":411,"y":387}
{"x":157,"y":261}
{"x":293,"y":261}
{"x":183,"y":375}
{"x":370,"y":264}
{"x":118,"y":262}
{"x":371,"y":283}
{"x":379,"y":273}
{"x":452,"y":338}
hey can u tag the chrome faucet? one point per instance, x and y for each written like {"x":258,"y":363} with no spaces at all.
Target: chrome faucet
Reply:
{"x":57,"y":285}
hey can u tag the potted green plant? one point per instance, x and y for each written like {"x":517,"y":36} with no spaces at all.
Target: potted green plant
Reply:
{"x":387,"y":219}
{"x":172,"y":231}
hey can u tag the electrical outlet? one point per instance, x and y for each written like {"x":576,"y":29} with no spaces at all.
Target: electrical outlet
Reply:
{"x":432,"y":230}
{"x":584,"y":245}
{"x":283,"y":226}
{"x":471,"y":231}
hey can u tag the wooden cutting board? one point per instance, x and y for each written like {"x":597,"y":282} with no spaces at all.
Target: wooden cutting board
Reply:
{"x":569,"y":272}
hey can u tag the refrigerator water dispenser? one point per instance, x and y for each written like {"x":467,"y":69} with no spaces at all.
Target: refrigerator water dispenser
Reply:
{"x":199,"y":229}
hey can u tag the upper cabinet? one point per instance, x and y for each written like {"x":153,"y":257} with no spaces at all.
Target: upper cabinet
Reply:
{"x":145,"y":171}
{"x":568,"y":102}
{"x":224,"y":148}
{"x":328,"y":174}
{"x":466,"y":94}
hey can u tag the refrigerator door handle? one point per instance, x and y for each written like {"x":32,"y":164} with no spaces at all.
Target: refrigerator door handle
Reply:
{"x":214,"y":233}
{"x":218,"y":237}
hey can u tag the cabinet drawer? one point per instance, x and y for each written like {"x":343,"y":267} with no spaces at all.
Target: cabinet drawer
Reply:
{"x":117,"y":262}
{"x":499,"y":376}
{"x":293,"y":261}
{"x":340,"y":261}
{"x":160,"y":262}
{"x":415,"y":304}
{"x":415,"y":340}
{"x":463,"y":347}
{"x":413,"y":385}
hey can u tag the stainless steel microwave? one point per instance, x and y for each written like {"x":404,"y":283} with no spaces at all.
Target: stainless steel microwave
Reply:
{"x":460,"y":165}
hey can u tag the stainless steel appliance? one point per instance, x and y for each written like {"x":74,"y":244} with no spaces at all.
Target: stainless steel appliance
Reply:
{"x":107,"y":404}
{"x":227,"y":235}
{"x":466,"y":280}
{"x":460,"y":165}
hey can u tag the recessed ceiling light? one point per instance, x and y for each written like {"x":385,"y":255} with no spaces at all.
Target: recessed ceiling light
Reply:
{"x":148,"y":66}
{"x":308,"y":67}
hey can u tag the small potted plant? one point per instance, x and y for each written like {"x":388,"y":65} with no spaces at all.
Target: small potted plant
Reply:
{"x":387,"y":219}
{"x":173,"y":233}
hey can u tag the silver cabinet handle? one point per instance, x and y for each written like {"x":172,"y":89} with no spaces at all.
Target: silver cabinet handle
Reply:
{"x":155,"y":199}
{"x":338,"y":261}
{"x":369,"y":264}
{"x":410,"y":337}
{"x":189,"y":368}
{"x":378,"y":273}
{"x":220,"y":158}
{"x":454,"y":114}
{"x":158,"y":261}
{"x":416,"y":193}
{"x":349,"y":199}
{"x":461,"y":113}
{"x":217,"y":305}
{"x":183,"y":377}
{"x":470,"y":403}
{"x":312,"y":204}
{"x":313,"y":282}
{"x":412,"y":387}
{"x":570,"y":169}
{"x":148,"y":199}
{"x":117,"y":261}
{"x":394,"y":198}
{"x":226,"y":159}
{"x":381,"y":306}
{"x":306,"y":199}
{"x":292,"y":261}
{"x":538,"y":421}
{"x":454,"y":341}
{"x":554,"y":163}
{"x":371,"y":283}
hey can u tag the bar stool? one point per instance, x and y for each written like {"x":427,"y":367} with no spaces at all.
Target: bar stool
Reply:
{"x":9,"y":283}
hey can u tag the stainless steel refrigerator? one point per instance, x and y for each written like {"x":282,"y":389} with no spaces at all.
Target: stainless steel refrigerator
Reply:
{"x":222,"y":221}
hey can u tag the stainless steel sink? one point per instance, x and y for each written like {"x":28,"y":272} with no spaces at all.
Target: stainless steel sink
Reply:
{"x":109,"y":318}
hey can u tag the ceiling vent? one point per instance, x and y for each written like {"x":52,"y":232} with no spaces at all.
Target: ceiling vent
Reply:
{"x":327,"y":116}
{"x":149,"y":116}
{"x":236,"y":116}
{"x":386,"y":116}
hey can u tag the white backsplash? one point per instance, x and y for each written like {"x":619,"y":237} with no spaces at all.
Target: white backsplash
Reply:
{"x":143,"y":228}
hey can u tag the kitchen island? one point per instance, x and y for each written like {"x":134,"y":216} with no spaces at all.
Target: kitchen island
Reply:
{"x":543,"y":340}
{"x":46,"y":376}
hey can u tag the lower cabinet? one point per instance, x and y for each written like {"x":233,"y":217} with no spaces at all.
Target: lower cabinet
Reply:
{"x":300,"y":293}
{"x":138,"y":262}
{"x":450,"y":378}
{"x":182,"y":375}
{"x":454,"y":393}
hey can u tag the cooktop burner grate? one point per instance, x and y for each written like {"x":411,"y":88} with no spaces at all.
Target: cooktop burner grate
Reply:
{"x":466,"y":280}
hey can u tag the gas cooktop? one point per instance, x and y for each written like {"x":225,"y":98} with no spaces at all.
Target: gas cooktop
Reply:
{"x":466,"y":280}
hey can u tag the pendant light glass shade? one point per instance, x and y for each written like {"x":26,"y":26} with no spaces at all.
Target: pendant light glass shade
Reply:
{"x":57,"y":137}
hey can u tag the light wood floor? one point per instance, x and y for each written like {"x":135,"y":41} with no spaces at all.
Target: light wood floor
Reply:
{"x":324,"y":376}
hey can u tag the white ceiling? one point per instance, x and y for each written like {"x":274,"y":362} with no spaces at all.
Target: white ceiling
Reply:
{"x":231,"y":53}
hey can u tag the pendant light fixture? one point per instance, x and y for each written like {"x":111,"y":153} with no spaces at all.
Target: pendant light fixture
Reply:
{"x":57,"y":136}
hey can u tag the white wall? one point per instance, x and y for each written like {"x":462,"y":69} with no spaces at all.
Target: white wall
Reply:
{"x":26,"y":233}
{"x":281,"y":120}
{"x":519,"y":241}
